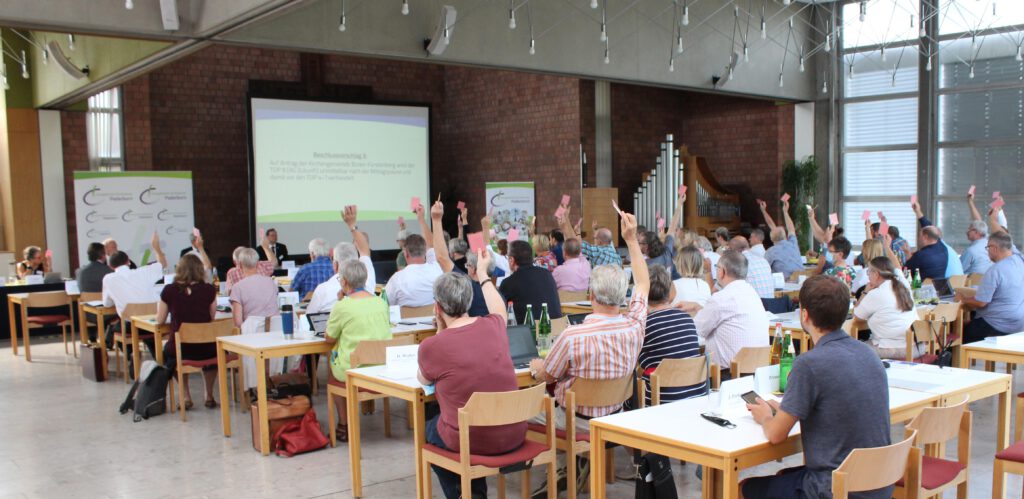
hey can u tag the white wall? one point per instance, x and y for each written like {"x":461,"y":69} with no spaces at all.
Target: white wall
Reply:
{"x":51,"y":156}
{"x":803,"y":130}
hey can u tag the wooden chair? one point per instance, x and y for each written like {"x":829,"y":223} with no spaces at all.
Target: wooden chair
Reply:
{"x":930,"y":475}
{"x":83,"y":323}
{"x":52,"y":299}
{"x":206,"y":332}
{"x":919,"y":333}
{"x":958,"y":281}
{"x":674,"y":373}
{"x":748,"y":359}
{"x":571,"y":296}
{"x":951,"y":315}
{"x":558,"y":325}
{"x":1010,"y":459}
{"x":494,"y":409}
{"x":870,"y":469}
{"x":974,"y":279}
{"x":587,"y":393}
{"x":124,"y":338}
{"x":424,"y":311}
{"x":795,"y":276}
{"x":849,"y":329}
{"x":366,"y":353}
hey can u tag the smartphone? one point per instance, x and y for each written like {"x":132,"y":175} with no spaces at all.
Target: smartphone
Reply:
{"x":750,"y":397}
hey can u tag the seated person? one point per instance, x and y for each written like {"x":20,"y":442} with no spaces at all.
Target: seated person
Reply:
{"x":125,"y":285}
{"x":606,"y":345}
{"x":733,"y":317}
{"x":975,"y":258}
{"x":759,"y":272}
{"x":557,"y":240}
{"x":757,"y":242}
{"x":110,"y":247}
{"x":90,"y":276}
{"x":603,"y":252}
{"x":236,"y":273}
{"x":478,"y":308}
{"x":668,"y":334}
{"x":784,"y":255}
{"x":692,"y":285}
{"x":545,"y":259}
{"x":272,"y":249}
{"x":657,"y":253}
{"x":1000,"y":298}
{"x":318,"y":270}
{"x":253,"y":296}
{"x":189,"y":299}
{"x":811,"y":398}
{"x":888,"y":310}
{"x":839,"y":247}
{"x":329,"y":291}
{"x":413,"y":285}
{"x":467,"y":355}
{"x":573,"y":274}
{"x":34,"y":263}
{"x":529,"y":284}
{"x":931,"y":257}
{"x":361,"y":316}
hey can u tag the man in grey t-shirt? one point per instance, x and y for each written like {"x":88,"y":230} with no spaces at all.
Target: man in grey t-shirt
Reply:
{"x":837,"y":391}
{"x":1000,"y":298}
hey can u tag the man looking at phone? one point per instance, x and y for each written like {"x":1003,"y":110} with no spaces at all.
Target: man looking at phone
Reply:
{"x":840,"y":377}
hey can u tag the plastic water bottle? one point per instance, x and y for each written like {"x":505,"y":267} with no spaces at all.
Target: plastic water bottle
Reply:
{"x":287,"y":322}
{"x":511,"y":315}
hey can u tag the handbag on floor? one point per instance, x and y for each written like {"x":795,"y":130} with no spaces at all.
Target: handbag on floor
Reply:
{"x":654,"y":478}
{"x":291,"y":384}
{"x":279,"y":413}
{"x":299,"y":437}
{"x":91,"y":359}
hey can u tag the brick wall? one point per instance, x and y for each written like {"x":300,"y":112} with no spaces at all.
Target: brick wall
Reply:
{"x":76,"y":157}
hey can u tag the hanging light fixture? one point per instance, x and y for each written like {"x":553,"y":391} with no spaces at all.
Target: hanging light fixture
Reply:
{"x":671,"y":64}
{"x":533,"y":46}
{"x":883,"y":53}
{"x":824,"y":86}
{"x":686,"y":15}
{"x":1019,"y":57}
{"x":780,"y":80}
{"x":129,"y":4}
{"x":746,"y":53}
{"x":764,"y":29}
{"x":679,"y":44}
{"x":928,"y":64}
{"x":71,"y":42}
{"x":863,"y":10}
{"x":405,"y":7}
{"x":3,"y":76}
{"x":850,"y":75}
{"x":46,"y":56}
{"x":969,"y":75}
{"x":593,"y":4}
{"x":24,"y":66}
{"x":802,"y":67}
{"x":511,"y":18}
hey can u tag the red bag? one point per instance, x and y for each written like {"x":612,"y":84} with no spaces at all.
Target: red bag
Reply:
{"x":300,"y":436}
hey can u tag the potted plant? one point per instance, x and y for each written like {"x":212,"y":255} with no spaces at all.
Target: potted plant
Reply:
{"x":800,"y":180}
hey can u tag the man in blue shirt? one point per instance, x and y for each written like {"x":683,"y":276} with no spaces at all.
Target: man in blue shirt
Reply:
{"x":1000,"y":298}
{"x":557,"y":240}
{"x":784,"y":255}
{"x":975,"y":258}
{"x":318,"y":270}
{"x":840,"y":377}
{"x":953,"y":265}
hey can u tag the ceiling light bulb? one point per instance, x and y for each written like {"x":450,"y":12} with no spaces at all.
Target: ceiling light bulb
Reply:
{"x":46,"y":56}
{"x":342,"y":24}
{"x":607,"y":58}
{"x":828,"y":42}
{"x":679,"y":45}
{"x":671,"y":65}
{"x":850,"y":76}
{"x":444,"y":35}
{"x":7,"y":86}
{"x":969,"y":75}
{"x":863,"y":10}
{"x":686,"y":16}
{"x":24,"y":66}
{"x":780,"y":80}
{"x":71,"y":42}
{"x":764,"y":29}
{"x":129,"y":4}
{"x":533,"y":46}
{"x":731,"y":72}
{"x":604,"y":32}
{"x":405,"y":7}
{"x":1019,"y":57}
{"x":593,"y":4}
{"x":883,"y":54}
{"x":511,"y":19}
{"x":746,"y":53}
{"x":911,"y":20}
{"x":923,"y":32}
{"x":802,"y":68}
{"x":786,"y":2}
{"x":824,"y":87}
{"x":928,"y":65}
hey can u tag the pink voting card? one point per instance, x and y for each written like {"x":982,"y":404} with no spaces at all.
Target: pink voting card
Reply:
{"x":833,"y":219}
{"x":913,"y":199}
{"x":661,"y":223}
{"x":261,"y":234}
{"x":997,"y":204}
{"x":883,"y":228}
{"x":415,"y":203}
{"x":513,"y":235}
{"x":401,"y":220}
{"x":616,"y":206}
{"x":867,"y":215}
{"x":559,"y":212}
{"x":565,"y":199}
{"x":461,"y":205}
{"x":195,"y":232}
{"x":476,"y":241}
{"x":682,"y":190}
{"x":785,"y":197}
{"x":995,"y":194}
{"x":970,"y":192}
{"x":49,"y":253}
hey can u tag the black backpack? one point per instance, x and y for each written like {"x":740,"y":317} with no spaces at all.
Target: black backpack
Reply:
{"x":147,"y":397}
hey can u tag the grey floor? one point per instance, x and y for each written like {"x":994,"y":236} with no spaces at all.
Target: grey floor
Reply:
{"x":61,"y":436}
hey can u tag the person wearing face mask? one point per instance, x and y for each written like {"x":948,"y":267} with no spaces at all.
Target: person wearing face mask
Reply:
{"x":887,"y":308}
{"x":838,"y":248}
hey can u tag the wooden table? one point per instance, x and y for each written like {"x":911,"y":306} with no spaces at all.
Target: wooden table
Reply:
{"x":261,"y":347}
{"x":791,"y":323}
{"x":677,"y":430}
{"x":376,"y":379}
{"x":18,"y":299}
{"x":791,"y":289}
{"x":97,"y":309}
{"x":148,"y":324}
{"x":1009,"y":350}
{"x":581,"y":307}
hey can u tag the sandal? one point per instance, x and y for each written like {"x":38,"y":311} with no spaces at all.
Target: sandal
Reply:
{"x":188,"y":405}
{"x":211,"y":404}
{"x":342,"y":432}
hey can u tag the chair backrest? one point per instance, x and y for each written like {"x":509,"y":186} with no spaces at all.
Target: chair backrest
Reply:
{"x":948,"y":311}
{"x":602,"y":392}
{"x":558,"y":325}
{"x":502,"y":408}
{"x":204,"y":332}
{"x":571,"y":296}
{"x":957,"y":281}
{"x":848,"y":328}
{"x":870,"y":469}
{"x":84,"y":297}
{"x":974,"y":279}
{"x":748,"y":359}
{"x":133,"y":309}
{"x":374,"y":352}
{"x":47,"y":299}
{"x":424,"y":311}
{"x":922,"y":332}
{"x":795,"y":276}
{"x":936,"y":425}
{"x":673,"y":373}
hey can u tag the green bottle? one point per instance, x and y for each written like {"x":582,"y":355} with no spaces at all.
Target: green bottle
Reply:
{"x":786,"y":361}
{"x":916,"y":284}
{"x":384,"y":296}
{"x":544,"y":328}
{"x":528,"y":321}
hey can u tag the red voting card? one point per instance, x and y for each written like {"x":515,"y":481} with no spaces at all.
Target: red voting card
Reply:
{"x":565,"y":199}
{"x":970,"y":192}
{"x":682,"y":190}
{"x":785,"y":197}
{"x":401,"y":220}
{"x":261,"y":234}
{"x":616,"y":206}
{"x":867,"y":215}
{"x":833,"y":219}
{"x":995,"y":194}
{"x":476,"y":241}
{"x":661,"y":223}
{"x":461,"y":205}
{"x":913,"y":199}
{"x":883,"y":228}
{"x":49,"y":253}
{"x":195,"y":232}
{"x":997,"y":204}
{"x":559,"y":212}
{"x":513,"y":235}
{"x":415,"y":203}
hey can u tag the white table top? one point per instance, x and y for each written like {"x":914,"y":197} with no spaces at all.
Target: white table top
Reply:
{"x":380,"y":372}
{"x":1011,"y":343}
{"x":414,"y":324}
{"x":219,"y":317}
{"x":789,"y":320}
{"x":935,"y":380}
{"x":267,"y":340}
{"x":789,"y":286}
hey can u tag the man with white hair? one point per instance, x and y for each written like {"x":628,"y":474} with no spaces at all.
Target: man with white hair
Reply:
{"x":318,"y":270}
{"x":602,"y":253}
{"x":329,"y":292}
{"x":757,"y":242}
{"x":975,"y":258}
{"x":110,"y":247}
{"x":732,"y":318}
{"x":263,"y":267}
{"x":759,"y":273}
{"x":784,"y":255}
{"x":413,"y":286}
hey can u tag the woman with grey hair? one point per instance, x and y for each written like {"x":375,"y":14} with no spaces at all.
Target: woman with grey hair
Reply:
{"x":361,"y":316}
{"x":34,"y":263}
{"x":253,"y":300}
{"x":467,"y":355}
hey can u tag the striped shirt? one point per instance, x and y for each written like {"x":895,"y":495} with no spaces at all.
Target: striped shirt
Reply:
{"x":263,"y":267}
{"x":602,"y":347}
{"x":759,"y":275}
{"x":670,"y":334}
{"x":600,"y":255}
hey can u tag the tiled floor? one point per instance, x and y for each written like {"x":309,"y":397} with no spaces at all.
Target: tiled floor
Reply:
{"x":61,"y":436}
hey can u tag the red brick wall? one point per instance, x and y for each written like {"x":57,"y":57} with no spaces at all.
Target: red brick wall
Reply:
{"x":137,"y":124}
{"x":76,"y":157}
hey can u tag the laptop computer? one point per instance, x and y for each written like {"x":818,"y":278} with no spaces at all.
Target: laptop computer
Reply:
{"x":942,"y":288}
{"x":521,"y":346}
{"x":52,"y":278}
{"x":318,"y":322}
{"x":575,"y":319}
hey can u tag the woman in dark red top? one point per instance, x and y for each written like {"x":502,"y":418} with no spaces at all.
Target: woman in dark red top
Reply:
{"x":190,"y":299}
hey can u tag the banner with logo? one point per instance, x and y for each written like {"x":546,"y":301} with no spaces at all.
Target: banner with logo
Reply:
{"x":511,"y":204}
{"x":129,"y":206}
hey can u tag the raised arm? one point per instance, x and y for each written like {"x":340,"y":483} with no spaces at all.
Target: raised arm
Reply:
{"x":764,"y":213}
{"x":437,"y":239}
{"x":567,"y":229}
{"x":790,"y":226}
{"x":424,"y":228}
{"x":461,"y":234}
{"x":351,"y":215}
{"x":485,"y":229}
{"x":201,"y":246}
{"x":677,"y":216}
{"x":495,"y":303}
{"x":271,"y":257}
{"x":641,"y":279}
{"x":993,"y":220}
{"x":889,"y":253}
{"x":975,"y":215}
{"x":155,"y":243}
{"x":819,"y":233}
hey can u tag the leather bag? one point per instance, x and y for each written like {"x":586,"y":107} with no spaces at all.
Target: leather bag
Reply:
{"x":300,"y":436}
{"x":279,"y":413}
{"x":91,"y":359}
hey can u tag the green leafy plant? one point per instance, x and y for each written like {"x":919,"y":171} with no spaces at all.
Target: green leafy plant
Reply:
{"x":800,"y":180}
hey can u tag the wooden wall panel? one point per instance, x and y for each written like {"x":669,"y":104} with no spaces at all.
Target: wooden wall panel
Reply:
{"x":26,"y":216}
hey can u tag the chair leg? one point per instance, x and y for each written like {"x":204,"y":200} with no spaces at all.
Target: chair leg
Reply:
{"x":467,"y":486}
{"x":64,"y":335}
{"x":181,"y":394}
{"x":387,"y":417}
{"x":427,"y":481}
{"x":552,"y":480}
{"x":570,"y":472}
{"x":170,"y":394}
{"x":501,"y":485}
{"x":997,"y":480}
{"x":331,"y":416}
{"x":525,"y":478}
{"x":609,"y":473}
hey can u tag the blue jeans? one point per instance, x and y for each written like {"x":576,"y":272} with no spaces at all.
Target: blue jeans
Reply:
{"x":785,"y":485}
{"x":451,"y":484}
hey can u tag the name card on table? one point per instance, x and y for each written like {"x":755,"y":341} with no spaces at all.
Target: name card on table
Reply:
{"x":288,"y":264}
{"x":71,"y":288}
{"x":395,"y":314}
{"x":779,"y":279}
{"x":766,"y":379}
{"x":731,"y":400}
{"x":401,"y":362}
{"x":33,"y":279}
{"x":288,"y":298}
{"x":291,"y":272}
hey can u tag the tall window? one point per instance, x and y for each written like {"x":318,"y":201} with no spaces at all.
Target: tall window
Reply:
{"x":980,"y":112}
{"x":104,"y":132}
{"x":880,"y":114}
